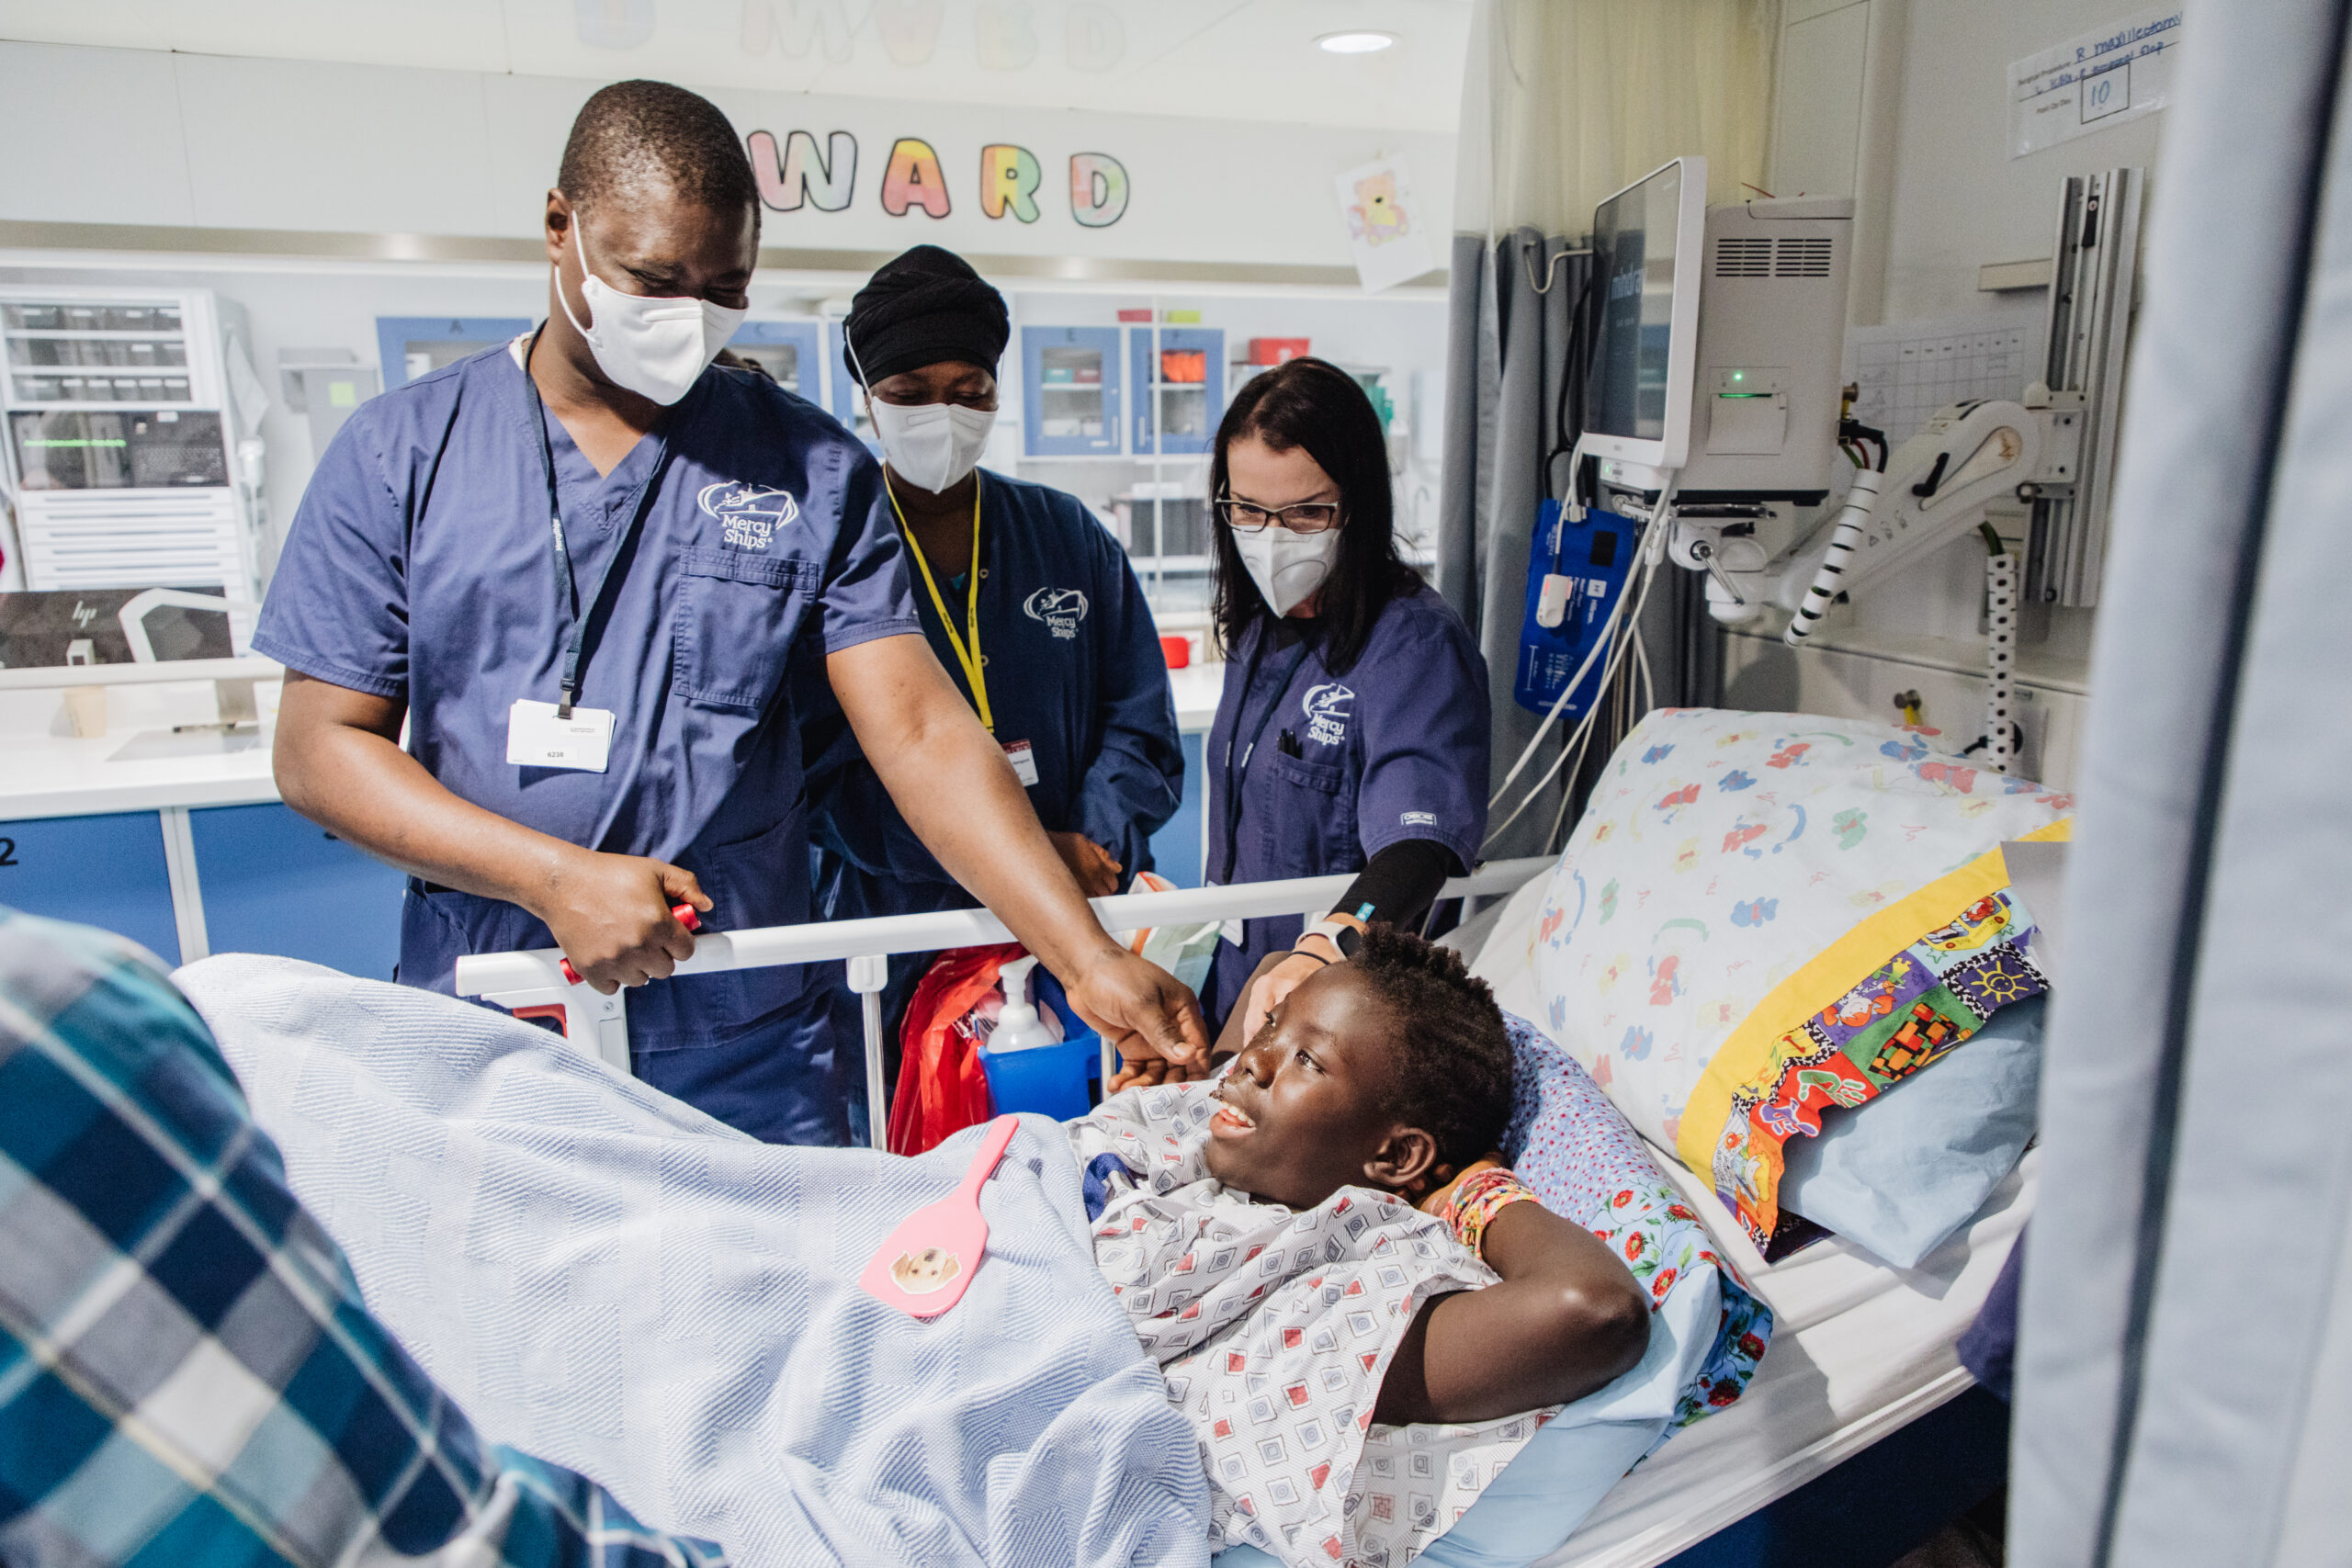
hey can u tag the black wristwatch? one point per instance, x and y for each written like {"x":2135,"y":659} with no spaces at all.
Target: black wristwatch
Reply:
{"x":1347,"y":938}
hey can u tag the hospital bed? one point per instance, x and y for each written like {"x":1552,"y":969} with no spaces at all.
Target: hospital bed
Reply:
{"x":1860,"y":1434}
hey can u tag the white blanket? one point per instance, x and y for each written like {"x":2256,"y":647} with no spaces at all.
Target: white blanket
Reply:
{"x":608,"y":1279}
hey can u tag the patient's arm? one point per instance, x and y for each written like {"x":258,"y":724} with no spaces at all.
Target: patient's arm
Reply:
{"x":1567,"y":1319}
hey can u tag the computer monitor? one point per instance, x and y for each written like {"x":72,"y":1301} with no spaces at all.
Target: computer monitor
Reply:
{"x":1646,"y":244}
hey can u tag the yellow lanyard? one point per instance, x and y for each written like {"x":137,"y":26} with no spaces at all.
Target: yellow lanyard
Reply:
{"x":968,"y":657}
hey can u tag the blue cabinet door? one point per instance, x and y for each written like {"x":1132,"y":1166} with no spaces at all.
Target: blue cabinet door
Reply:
{"x":411,"y":346}
{"x":1178,"y":849}
{"x":790,"y":351}
{"x":1070,"y":391}
{"x":1178,"y":381}
{"x":274,"y":883}
{"x":106,"y":870}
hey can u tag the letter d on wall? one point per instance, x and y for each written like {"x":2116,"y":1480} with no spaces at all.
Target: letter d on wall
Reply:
{"x":1098,"y":189}
{"x":913,"y":179}
{"x":1009,"y":178}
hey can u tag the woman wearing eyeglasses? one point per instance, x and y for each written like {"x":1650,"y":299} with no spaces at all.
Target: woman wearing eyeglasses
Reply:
{"x":1353,"y":731}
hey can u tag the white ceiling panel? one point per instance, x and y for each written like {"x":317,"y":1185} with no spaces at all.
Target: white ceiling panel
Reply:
{"x":456,"y":35}
{"x":1227,"y":60}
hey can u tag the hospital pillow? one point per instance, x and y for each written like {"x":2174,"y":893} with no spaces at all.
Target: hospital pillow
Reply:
{"x":1901,"y":1174}
{"x":1762,"y":917}
{"x":1576,"y":1152}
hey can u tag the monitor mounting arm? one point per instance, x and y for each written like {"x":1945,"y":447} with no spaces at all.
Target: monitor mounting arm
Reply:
{"x":1936,"y":488}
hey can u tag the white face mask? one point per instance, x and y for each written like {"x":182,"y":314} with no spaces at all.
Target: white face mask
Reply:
{"x":931,"y":445}
{"x":1287,"y":567}
{"x":655,"y":347}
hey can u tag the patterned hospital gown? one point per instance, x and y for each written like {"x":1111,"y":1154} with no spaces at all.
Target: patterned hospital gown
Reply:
{"x":1273,"y":1328}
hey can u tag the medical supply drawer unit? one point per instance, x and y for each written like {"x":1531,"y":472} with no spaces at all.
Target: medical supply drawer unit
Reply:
{"x":122,"y":439}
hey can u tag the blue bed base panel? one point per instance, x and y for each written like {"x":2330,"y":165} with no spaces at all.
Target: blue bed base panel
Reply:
{"x":1878,"y":1505}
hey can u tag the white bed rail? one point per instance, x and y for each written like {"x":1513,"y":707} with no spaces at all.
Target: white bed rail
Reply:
{"x":530,"y":981}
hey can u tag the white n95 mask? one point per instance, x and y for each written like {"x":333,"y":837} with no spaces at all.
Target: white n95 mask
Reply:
{"x":931,"y":445}
{"x":1286,"y":567}
{"x":655,"y":347}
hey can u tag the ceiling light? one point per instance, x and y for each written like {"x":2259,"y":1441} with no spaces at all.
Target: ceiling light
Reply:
{"x":1354,"y":42}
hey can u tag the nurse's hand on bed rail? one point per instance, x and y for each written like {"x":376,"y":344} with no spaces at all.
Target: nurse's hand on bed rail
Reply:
{"x":339,"y":763}
{"x":611,"y":914}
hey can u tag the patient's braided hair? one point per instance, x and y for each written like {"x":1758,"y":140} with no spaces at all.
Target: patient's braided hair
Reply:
{"x":1454,"y":1056}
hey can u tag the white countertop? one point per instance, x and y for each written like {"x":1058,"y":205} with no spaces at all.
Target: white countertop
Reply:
{"x":1197,"y":687}
{"x":45,"y":772}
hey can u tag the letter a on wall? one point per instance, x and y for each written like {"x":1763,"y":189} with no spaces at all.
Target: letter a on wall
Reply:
{"x":1009,"y":178}
{"x":802,"y":177}
{"x":913,"y":179}
{"x":1098,"y":189}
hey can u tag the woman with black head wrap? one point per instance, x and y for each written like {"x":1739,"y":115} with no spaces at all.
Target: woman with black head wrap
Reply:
{"x":1028,"y":601}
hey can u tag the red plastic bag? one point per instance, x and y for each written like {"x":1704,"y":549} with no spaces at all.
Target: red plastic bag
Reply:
{"x":942,"y":1088}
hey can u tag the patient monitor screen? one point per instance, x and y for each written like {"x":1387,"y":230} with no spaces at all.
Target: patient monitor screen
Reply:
{"x":1633,"y":247}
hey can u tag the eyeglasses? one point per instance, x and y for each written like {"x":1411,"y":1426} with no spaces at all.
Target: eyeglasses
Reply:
{"x":1307,"y":517}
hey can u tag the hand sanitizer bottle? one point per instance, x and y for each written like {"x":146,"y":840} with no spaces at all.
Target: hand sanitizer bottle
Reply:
{"x":1018,"y":1028}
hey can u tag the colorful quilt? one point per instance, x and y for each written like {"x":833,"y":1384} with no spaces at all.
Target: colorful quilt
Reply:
{"x":1762,"y":917}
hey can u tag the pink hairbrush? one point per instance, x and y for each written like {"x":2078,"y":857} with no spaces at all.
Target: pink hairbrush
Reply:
{"x":923,"y":1269}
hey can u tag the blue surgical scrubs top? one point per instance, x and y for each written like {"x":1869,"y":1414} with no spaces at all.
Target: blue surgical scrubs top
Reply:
{"x":1395,"y":748}
{"x":1074,"y":668}
{"x":747,"y":537}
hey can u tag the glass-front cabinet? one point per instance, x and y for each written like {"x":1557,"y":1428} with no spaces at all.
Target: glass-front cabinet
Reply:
{"x":787,"y":353}
{"x":1179,"y":376}
{"x":410,"y":346}
{"x":1070,"y":382}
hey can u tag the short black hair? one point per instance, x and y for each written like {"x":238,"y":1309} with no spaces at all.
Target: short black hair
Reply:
{"x":1454,"y":1056}
{"x":1313,"y":404}
{"x":638,"y":132}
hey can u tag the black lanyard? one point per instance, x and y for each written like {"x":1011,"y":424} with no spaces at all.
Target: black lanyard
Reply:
{"x":1232,"y":784}
{"x":567,"y":588}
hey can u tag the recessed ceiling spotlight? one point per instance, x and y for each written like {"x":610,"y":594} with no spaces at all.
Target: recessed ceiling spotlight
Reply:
{"x":1354,"y":42}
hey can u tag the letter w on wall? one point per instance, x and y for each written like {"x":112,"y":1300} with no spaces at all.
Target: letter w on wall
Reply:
{"x":802,"y":176}
{"x":797,"y":24}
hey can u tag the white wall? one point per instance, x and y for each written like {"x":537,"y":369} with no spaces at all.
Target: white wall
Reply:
{"x":1904,"y":103}
{"x":1960,"y":199}
{"x":135,"y":136}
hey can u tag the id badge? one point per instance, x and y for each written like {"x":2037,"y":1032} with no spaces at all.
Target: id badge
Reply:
{"x":1023,"y":760}
{"x":537,"y":739}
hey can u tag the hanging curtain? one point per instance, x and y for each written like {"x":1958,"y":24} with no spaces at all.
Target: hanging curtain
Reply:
{"x":1564,"y":101}
{"x":2185,"y":1359}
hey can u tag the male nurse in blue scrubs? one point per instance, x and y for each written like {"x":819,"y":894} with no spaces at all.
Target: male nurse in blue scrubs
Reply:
{"x":606,"y":585}
{"x":1028,"y":602}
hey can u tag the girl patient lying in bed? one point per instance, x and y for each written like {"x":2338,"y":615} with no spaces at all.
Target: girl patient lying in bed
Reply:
{"x":1295,"y":1246}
